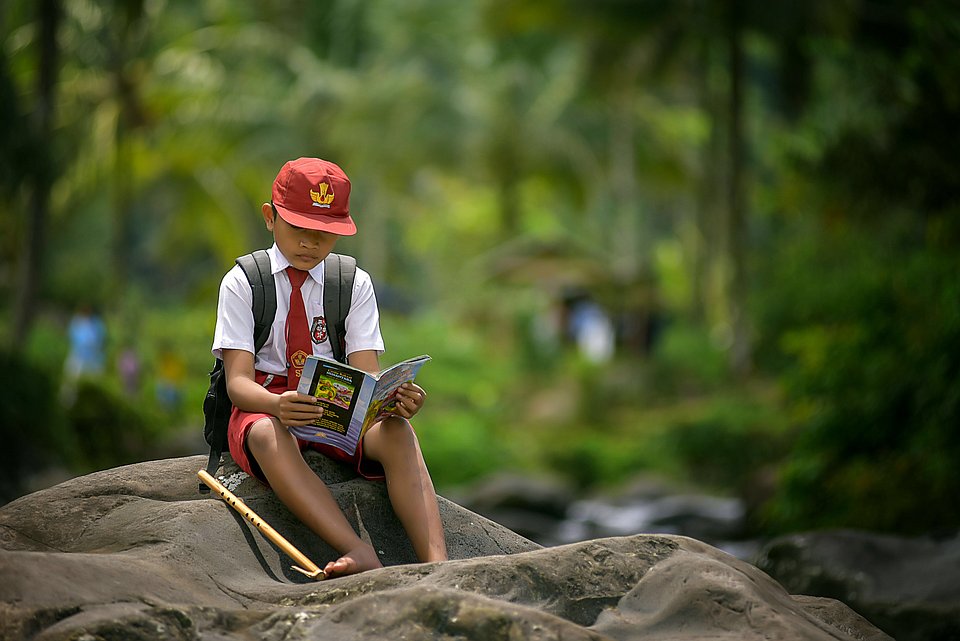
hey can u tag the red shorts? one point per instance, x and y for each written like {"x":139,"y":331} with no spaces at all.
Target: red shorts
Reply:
{"x":241,"y":422}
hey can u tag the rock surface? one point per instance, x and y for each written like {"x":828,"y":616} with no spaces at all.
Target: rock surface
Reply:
{"x":136,"y":553}
{"x":908,"y":586}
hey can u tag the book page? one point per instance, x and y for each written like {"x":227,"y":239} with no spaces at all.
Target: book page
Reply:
{"x":384,"y":395}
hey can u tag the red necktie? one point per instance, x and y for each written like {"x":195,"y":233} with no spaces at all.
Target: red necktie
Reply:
{"x":297,"y":330}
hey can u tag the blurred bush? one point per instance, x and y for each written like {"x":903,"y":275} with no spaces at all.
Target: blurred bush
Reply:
{"x":33,"y":427}
{"x":876,"y":387}
{"x":687,"y":361}
{"x":729,"y":445}
{"x":464,"y":426}
{"x":109,"y":428}
{"x":99,"y":429}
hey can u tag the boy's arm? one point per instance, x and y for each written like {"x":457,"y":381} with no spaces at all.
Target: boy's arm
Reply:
{"x":410,"y":396}
{"x":365,"y":359}
{"x":291,"y":407}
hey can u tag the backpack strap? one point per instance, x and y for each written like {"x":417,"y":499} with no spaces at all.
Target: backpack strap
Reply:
{"x":338,"y":276}
{"x":256,"y":267}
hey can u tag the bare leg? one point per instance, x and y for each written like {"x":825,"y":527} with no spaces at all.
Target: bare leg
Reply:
{"x":394,"y":444}
{"x":302,"y":491}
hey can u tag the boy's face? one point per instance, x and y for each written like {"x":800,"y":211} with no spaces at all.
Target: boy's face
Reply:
{"x":304,"y":248}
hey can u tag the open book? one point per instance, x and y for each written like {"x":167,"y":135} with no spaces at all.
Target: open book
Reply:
{"x":352,"y":399}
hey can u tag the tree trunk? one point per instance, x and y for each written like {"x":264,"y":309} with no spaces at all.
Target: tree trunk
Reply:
{"x":630,"y":233}
{"x":130,"y":119}
{"x":508,"y":196}
{"x":706,"y":230}
{"x":122,"y":199}
{"x":41,"y":177}
{"x":740,"y":350}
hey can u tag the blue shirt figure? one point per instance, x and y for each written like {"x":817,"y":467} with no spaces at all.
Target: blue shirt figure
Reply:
{"x":87,"y":335}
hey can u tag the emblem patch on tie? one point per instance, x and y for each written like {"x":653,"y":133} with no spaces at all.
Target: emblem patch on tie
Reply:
{"x":318,"y":331}
{"x":298,"y":360}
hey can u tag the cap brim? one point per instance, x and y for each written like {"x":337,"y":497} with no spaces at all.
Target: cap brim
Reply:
{"x":339,"y":225}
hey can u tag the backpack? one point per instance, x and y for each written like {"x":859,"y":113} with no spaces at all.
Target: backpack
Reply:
{"x":339,"y":272}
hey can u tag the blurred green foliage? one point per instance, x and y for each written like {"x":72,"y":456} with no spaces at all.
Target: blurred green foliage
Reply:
{"x":109,"y":429}
{"x":505,"y":156}
{"x":731,"y":445}
{"x":32,"y":424}
{"x":876,"y":383}
{"x":465,"y":433}
{"x":98,"y":427}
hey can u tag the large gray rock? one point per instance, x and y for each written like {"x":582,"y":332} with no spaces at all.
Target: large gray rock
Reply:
{"x":908,"y":586}
{"x":136,"y":553}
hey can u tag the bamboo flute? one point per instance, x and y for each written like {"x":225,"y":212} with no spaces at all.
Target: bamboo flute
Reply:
{"x":237,"y":504}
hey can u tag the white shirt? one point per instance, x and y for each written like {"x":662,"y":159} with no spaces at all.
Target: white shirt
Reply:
{"x":235,"y":315}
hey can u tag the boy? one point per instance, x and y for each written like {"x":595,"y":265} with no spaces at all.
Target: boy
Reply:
{"x":309,"y":211}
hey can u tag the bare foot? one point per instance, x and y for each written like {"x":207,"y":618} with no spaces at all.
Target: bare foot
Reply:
{"x":360,"y":559}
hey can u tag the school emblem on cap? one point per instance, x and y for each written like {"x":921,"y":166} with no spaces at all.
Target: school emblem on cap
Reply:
{"x":318,"y":331}
{"x":322,"y":198}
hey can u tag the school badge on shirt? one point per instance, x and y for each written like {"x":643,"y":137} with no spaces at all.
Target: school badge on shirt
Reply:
{"x":318,"y":331}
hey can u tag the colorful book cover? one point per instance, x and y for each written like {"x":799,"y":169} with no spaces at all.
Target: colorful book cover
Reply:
{"x":352,"y":399}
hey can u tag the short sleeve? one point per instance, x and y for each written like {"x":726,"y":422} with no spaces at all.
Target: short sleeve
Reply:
{"x":363,"y":320}
{"x":234,"y":328}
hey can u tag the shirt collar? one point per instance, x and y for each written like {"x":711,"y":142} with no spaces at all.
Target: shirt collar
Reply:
{"x":279,"y":262}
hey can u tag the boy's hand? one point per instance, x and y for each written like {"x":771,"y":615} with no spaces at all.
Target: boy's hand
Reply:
{"x":298,"y":409}
{"x":410,"y":398}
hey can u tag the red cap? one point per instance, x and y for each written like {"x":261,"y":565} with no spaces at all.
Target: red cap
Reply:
{"x":314,"y":194}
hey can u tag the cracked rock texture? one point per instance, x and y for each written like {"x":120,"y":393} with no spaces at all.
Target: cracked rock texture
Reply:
{"x":136,"y":553}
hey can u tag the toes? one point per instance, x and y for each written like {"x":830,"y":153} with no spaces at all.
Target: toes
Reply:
{"x":341,"y":567}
